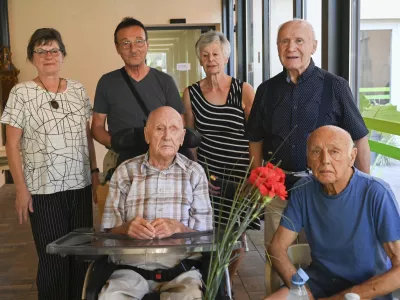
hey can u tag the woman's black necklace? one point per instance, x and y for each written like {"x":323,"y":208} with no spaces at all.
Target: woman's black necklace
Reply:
{"x":54,"y":104}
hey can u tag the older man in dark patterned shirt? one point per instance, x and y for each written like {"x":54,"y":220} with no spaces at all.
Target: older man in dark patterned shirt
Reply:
{"x":289,"y":106}
{"x":154,"y":196}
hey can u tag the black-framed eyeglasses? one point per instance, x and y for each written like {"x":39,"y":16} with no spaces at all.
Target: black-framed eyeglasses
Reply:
{"x":127,"y":44}
{"x":54,"y":104}
{"x":43,"y":53}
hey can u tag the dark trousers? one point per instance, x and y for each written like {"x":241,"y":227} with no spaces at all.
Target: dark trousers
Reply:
{"x":55,"y":215}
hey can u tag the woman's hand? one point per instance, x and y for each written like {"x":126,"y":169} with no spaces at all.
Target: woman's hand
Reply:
{"x":95,"y":184}
{"x":23,"y":202}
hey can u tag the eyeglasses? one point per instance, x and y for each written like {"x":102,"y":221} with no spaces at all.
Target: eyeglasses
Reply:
{"x":43,"y":53}
{"x":127,"y":44}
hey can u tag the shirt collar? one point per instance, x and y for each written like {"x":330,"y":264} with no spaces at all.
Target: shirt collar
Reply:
{"x":305,"y":75}
{"x":177,"y":161}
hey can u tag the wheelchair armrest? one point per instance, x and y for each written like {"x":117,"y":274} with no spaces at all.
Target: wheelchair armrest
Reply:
{"x":100,"y":272}
{"x":192,"y":138}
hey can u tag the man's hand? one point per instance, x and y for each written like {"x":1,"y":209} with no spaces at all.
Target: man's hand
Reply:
{"x":23,"y":202}
{"x":139,"y":228}
{"x":165,"y":227}
{"x":95,"y":184}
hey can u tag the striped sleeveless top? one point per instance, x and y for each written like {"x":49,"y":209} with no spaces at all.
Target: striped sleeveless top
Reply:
{"x":224,"y":150}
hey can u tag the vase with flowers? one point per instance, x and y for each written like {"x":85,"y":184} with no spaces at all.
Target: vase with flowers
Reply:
{"x":251,"y":197}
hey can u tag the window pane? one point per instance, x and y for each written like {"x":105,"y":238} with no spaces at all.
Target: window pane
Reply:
{"x":254,"y":42}
{"x":281,"y":11}
{"x":313,"y":15}
{"x":379,"y":91}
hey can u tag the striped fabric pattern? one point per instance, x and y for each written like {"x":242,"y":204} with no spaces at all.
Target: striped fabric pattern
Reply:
{"x":55,"y":215}
{"x":224,"y":150}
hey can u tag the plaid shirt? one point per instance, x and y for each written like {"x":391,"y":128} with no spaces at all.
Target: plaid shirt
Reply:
{"x":139,"y":189}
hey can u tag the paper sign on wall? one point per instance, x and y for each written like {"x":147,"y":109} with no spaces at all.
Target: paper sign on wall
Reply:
{"x":183,"y":67}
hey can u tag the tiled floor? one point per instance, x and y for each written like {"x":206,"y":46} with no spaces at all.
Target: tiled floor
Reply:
{"x":18,"y":259}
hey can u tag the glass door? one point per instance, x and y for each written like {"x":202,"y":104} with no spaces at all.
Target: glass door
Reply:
{"x":172,"y":50}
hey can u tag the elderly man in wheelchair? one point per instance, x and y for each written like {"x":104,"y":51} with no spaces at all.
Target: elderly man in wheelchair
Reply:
{"x":154,"y":196}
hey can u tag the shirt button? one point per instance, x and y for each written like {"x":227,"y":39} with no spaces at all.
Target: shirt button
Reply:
{"x":160,"y":209}
{"x":295,"y":107}
{"x":160,"y":190}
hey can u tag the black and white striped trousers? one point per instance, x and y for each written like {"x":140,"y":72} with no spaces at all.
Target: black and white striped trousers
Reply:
{"x":55,"y":215}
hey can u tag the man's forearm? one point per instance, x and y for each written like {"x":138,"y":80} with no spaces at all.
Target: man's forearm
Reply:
{"x":363,"y":155}
{"x":376,"y":286}
{"x":255,"y":153}
{"x":101,"y":136}
{"x":92,"y":152}
{"x":282,"y":264}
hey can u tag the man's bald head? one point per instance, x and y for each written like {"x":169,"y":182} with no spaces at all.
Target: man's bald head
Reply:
{"x":329,"y":132}
{"x":304,"y":23}
{"x":163,"y":111}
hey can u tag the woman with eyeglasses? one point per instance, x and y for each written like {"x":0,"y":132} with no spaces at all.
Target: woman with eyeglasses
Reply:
{"x":52,"y":161}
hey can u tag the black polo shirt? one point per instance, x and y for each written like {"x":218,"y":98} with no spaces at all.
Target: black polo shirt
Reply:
{"x":295,"y":113}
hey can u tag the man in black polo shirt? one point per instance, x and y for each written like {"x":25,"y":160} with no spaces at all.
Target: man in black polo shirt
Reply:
{"x":289,"y":106}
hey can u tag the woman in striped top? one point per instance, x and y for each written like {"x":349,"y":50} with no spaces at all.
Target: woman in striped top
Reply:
{"x":217,"y":107}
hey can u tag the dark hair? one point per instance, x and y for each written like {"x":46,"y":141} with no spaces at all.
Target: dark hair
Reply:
{"x":44,"y":36}
{"x":129,"y":22}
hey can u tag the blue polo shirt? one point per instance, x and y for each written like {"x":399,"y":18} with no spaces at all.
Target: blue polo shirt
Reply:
{"x":346,"y":231}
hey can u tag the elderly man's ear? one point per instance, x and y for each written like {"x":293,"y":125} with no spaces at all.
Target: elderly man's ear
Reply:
{"x":146,"y":136}
{"x":183,"y":136}
{"x":353,"y":156}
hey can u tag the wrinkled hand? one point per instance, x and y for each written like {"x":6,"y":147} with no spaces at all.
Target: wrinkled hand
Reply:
{"x":213,"y":190}
{"x":95,"y":184}
{"x":23,"y":202}
{"x":139,"y":228}
{"x":165,"y":227}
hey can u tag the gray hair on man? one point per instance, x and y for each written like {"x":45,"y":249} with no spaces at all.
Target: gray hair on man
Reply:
{"x":211,"y":37}
{"x":305,"y":22}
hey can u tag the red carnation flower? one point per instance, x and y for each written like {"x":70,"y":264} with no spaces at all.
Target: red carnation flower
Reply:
{"x":269,"y":180}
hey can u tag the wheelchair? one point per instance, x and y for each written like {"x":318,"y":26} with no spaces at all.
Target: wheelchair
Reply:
{"x":101,"y":269}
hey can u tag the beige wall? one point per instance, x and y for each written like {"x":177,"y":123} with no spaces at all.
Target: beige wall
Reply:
{"x":384,"y":9}
{"x":87,"y":28}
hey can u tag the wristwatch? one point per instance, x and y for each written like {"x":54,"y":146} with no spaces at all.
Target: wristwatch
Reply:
{"x":95,"y":170}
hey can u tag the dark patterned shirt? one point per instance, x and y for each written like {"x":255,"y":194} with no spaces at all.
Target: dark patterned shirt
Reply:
{"x":295,"y":114}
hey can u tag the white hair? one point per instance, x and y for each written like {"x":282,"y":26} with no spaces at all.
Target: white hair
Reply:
{"x":211,"y":37}
{"x":308,"y":24}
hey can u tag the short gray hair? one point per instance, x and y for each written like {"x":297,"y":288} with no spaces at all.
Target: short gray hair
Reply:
{"x":211,"y":37}
{"x":308,"y":24}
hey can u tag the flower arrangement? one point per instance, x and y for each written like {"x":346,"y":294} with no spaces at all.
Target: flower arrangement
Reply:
{"x":251,"y":197}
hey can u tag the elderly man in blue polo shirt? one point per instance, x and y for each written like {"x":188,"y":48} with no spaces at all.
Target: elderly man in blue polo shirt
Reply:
{"x":289,"y":106}
{"x":351,"y":220}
